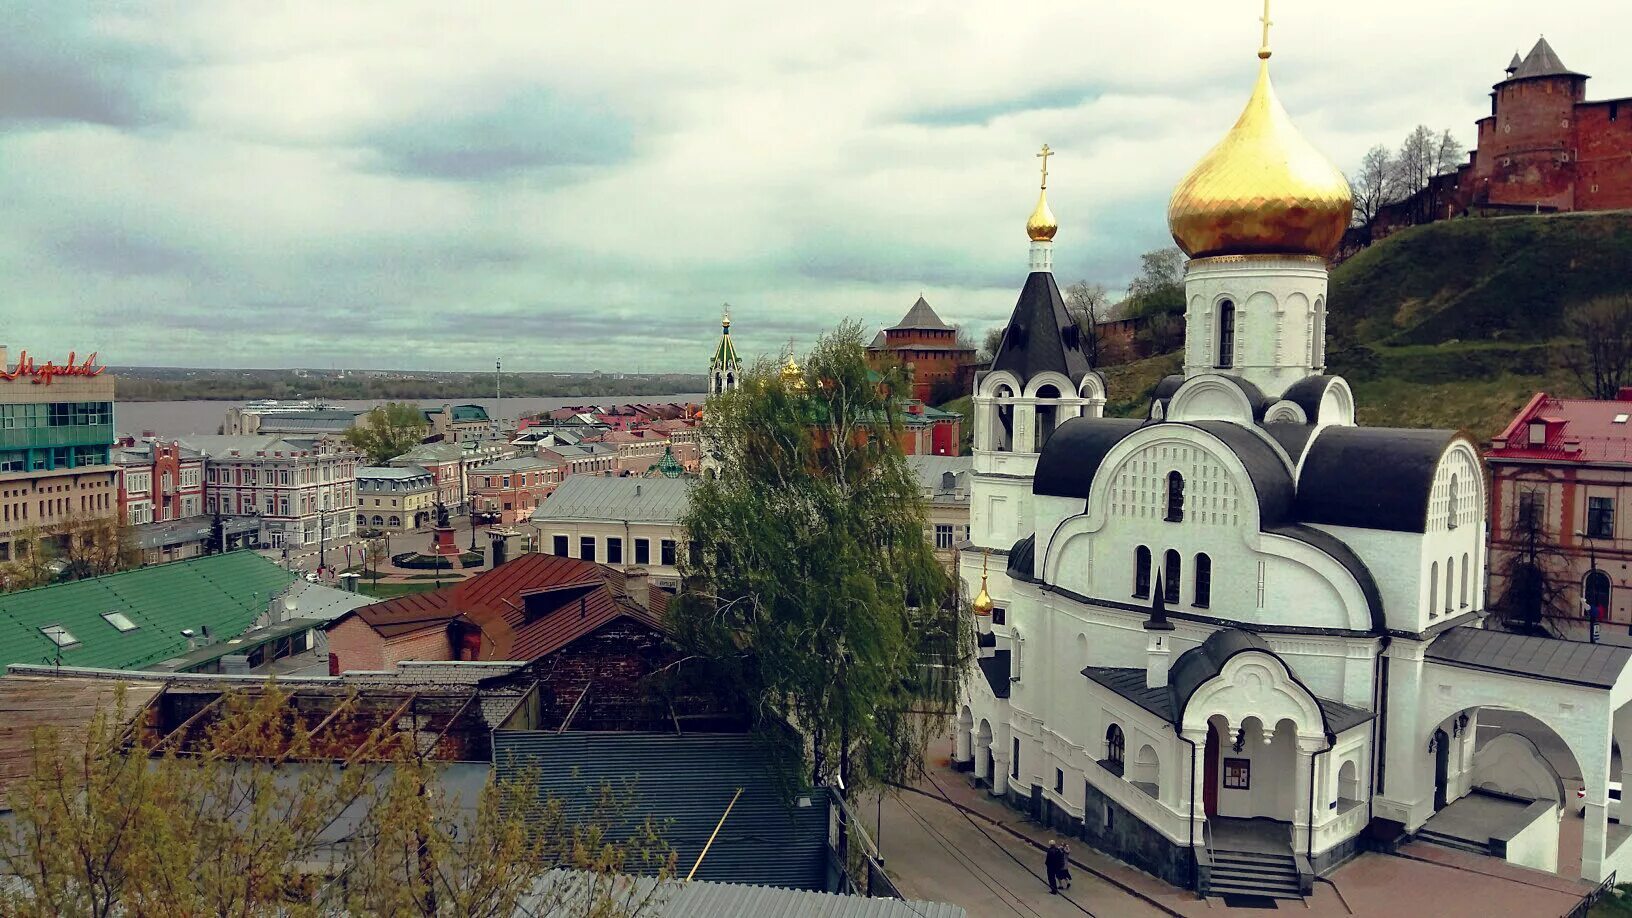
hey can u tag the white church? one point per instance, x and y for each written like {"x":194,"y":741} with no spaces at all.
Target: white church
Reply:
{"x":1240,"y":639}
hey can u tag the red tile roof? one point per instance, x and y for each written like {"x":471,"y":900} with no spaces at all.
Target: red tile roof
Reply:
{"x":1578,"y":430}
{"x":525,"y":609}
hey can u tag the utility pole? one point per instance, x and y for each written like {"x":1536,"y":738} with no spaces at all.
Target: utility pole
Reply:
{"x":496,"y":395}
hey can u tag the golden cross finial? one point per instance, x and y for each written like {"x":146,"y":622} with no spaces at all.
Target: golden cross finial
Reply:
{"x":1263,"y":48}
{"x":1045,"y":154}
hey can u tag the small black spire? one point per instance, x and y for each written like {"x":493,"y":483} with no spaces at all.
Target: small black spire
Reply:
{"x":1158,"y":608}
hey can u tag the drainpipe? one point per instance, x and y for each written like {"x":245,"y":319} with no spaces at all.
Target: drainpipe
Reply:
{"x":1378,"y":765}
{"x":1309,"y":833}
{"x":1192,"y":744}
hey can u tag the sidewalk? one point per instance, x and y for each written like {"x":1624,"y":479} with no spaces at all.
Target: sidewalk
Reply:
{"x":1429,"y":880}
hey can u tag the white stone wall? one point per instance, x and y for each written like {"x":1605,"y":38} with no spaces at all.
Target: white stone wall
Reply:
{"x":1279,"y":317}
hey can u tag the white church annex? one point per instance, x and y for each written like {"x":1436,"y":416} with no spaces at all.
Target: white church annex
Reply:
{"x":1240,"y":639}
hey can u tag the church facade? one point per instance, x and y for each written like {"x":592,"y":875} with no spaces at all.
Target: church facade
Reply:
{"x":1239,"y":639}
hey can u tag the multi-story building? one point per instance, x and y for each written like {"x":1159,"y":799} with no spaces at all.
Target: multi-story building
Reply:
{"x":56,"y":435}
{"x":944,"y":481}
{"x":457,"y":423}
{"x":159,"y":482}
{"x":584,"y":458}
{"x":304,"y":491}
{"x":1560,"y":473}
{"x":621,"y":522}
{"x":450,"y":465}
{"x":311,"y":421}
{"x":395,"y":498}
{"x":508,"y":490}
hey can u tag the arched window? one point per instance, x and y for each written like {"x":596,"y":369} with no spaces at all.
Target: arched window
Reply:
{"x":1433,"y":588}
{"x":1141,"y":572}
{"x":1597,"y":595}
{"x":1450,"y":511}
{"x":1204,"y":581}
{"x":1175,"y":497}
{"x":1047,"y":414}
{"x":1116,"y":747}
{"x":1226,"y":335}
{"x":1450,"y":577}
{"x":1004,"y":433}
{"x":1170,"y":576}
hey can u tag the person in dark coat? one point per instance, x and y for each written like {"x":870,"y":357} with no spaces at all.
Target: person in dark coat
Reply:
{"x":1054,"y":861}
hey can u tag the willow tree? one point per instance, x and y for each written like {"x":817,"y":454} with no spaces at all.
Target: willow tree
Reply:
{"x":810,"y":582}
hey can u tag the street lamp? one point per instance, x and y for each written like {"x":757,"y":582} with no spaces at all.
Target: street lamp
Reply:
{"x":322,"y":533}
{"x":1592,"y":611}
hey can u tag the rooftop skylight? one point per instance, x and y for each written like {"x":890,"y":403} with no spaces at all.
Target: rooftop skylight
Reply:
{"x":119,"y":620}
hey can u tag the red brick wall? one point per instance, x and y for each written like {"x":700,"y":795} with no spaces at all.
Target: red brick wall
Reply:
{"x":356,"y":645}
{"x":431,"y":644}
{"x":1603,"y":155}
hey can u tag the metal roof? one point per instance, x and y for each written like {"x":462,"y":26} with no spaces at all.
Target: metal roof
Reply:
{"x":931,"y":471}
{"x":221,"y":593}
{"x":392,"y":472}
{"x":1542,"y":61}
{"x":594,"y":497}
{"x":921,"y":316}
{"x":701,"y":899}
{"x":248,"y":446}
{"x":1575,"y":662}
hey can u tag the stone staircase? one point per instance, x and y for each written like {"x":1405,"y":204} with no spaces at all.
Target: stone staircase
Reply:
{"x":1251,"y":873}
{"x":1451,"y":841}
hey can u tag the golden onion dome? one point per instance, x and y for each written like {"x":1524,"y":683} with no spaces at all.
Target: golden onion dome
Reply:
{"x":1263,"y":189}
{"x":982,"y":604}
{"x":1040,"y":226}
{"x":793,"y":375}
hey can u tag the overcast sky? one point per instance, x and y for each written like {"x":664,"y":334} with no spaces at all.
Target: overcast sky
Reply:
{"x":581,"y":185}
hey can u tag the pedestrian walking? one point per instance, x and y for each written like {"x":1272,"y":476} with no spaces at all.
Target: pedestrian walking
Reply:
{"x":1065,"y":863}
{"x":1054,"y":862}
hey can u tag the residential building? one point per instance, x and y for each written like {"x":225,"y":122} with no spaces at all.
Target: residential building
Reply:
{"x":507,"y":491}
{"x":56,"y":437}
{"x":457,"y":423}
{"x":622,"y":522}
{"x":159,"y":482}
{"x":583,"y":458}
{"x":450,"y":464}
{"x":941,"y":368}
{"x":304,"y":490}
{"x":1561,"y":483}
{"x":945,"y":484}
{"x":395,"y":498}
{"x":929,"y":431}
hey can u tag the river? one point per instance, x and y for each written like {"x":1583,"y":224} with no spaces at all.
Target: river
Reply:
{"x":175,"y":419}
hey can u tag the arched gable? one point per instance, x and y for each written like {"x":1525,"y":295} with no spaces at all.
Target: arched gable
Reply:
{"x":991,"y":382}
{"x":1061,"y":382}
{"x":1254,"y":683}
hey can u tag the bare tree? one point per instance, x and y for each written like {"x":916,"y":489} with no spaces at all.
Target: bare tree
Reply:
{"x":1088,"y":305}
{"x":1535,"y":570}
{"x":990,"y":342}
{"x":1602,"y":358}
{"x":1374,"y":185}
{"x":1423,"y":157}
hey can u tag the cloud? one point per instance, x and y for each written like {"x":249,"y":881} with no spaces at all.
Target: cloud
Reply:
{"x":576,"y":186}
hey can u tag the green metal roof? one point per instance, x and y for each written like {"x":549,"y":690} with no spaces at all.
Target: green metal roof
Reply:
{"x":725,"y":356}
{"x":224,"y":593}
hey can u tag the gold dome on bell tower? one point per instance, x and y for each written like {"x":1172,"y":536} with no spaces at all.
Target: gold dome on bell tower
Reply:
{"x":1263,"y":188}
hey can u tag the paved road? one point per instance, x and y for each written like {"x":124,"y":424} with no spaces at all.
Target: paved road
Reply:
{"x":305,"y":558}
{"x":935,"y":853}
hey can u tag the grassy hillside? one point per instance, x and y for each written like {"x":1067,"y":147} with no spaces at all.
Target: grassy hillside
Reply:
{"x":1505,"y":279}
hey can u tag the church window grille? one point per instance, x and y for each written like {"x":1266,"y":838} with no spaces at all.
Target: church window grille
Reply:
{"x":1141,"y":572}
{"x":1204,"y":581}
{"x":1260,"y":586}
{"x":1170,"y":582}
{"x":1450,"y":577}
{"x":999,"y":616}
{"x":1433,"y":587}
{"x":1059,"y":780}
{"x":1601,"y":517}
{"x":1116,"y":746}
{"x":1014,"y":758}
{"x":1450,"y":513}
{"x":1226,"y":335}
{"x":1175,"y":497}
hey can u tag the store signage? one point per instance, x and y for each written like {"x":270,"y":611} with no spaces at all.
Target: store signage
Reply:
{"x":43,"y":373}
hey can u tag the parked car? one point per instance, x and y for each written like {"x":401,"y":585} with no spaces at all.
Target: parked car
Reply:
{"x":1614,"y":801}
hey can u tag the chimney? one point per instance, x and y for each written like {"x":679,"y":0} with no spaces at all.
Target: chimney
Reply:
{"x":1624,"y":394}
{"x":637,"y":585}
{"x":1158,"y":639}
{"x":274,"y":611}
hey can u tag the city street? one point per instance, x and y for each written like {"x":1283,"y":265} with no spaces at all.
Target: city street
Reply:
{"x":305,"y":557}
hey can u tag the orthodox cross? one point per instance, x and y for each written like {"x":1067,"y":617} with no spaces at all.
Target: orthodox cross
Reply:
{"x":1045,"y":154}
{"x":1263,"y":47}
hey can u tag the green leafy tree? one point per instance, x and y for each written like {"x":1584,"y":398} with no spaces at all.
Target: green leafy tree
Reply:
{"x":388,"y":430}
{"x":810,"y":583}
{"x":1159,"y":288}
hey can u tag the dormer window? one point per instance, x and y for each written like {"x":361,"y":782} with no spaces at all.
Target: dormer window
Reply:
{"x":1226,"y":336}
{"x":1175,"y":497}
{"x":1538,"y":433}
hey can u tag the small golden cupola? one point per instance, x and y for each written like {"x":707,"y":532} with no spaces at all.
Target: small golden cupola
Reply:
{"x":982,"y":604}
{"x":1041,"y":226}
{"x":1263,"y":189}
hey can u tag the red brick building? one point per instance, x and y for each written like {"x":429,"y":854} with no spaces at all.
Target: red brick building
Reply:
{"x":525,"y":609}
{"x":510,"y":488}
{"x":158,"y":482}
{"x":1543,"y":148}
{"x":1560,"y":548}
{"x":929,"y":349}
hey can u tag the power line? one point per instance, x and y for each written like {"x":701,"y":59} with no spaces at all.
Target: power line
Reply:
{"x":976,"y":870}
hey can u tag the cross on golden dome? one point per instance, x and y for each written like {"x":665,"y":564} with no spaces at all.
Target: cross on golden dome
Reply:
{"x":1041,"y":226}
{"x":1044,"y":155}
{"x":1263,"y":46}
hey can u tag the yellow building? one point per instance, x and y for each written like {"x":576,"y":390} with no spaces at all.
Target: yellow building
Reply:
{"x":395,"y":499}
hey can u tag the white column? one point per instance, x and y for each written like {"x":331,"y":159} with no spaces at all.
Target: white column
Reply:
{"x":963,"y":743}
{"x":1190,"y":774}
{"x":1306,"y":747}
{"x":1000,"y":772}
{"x":1594,"y":756}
